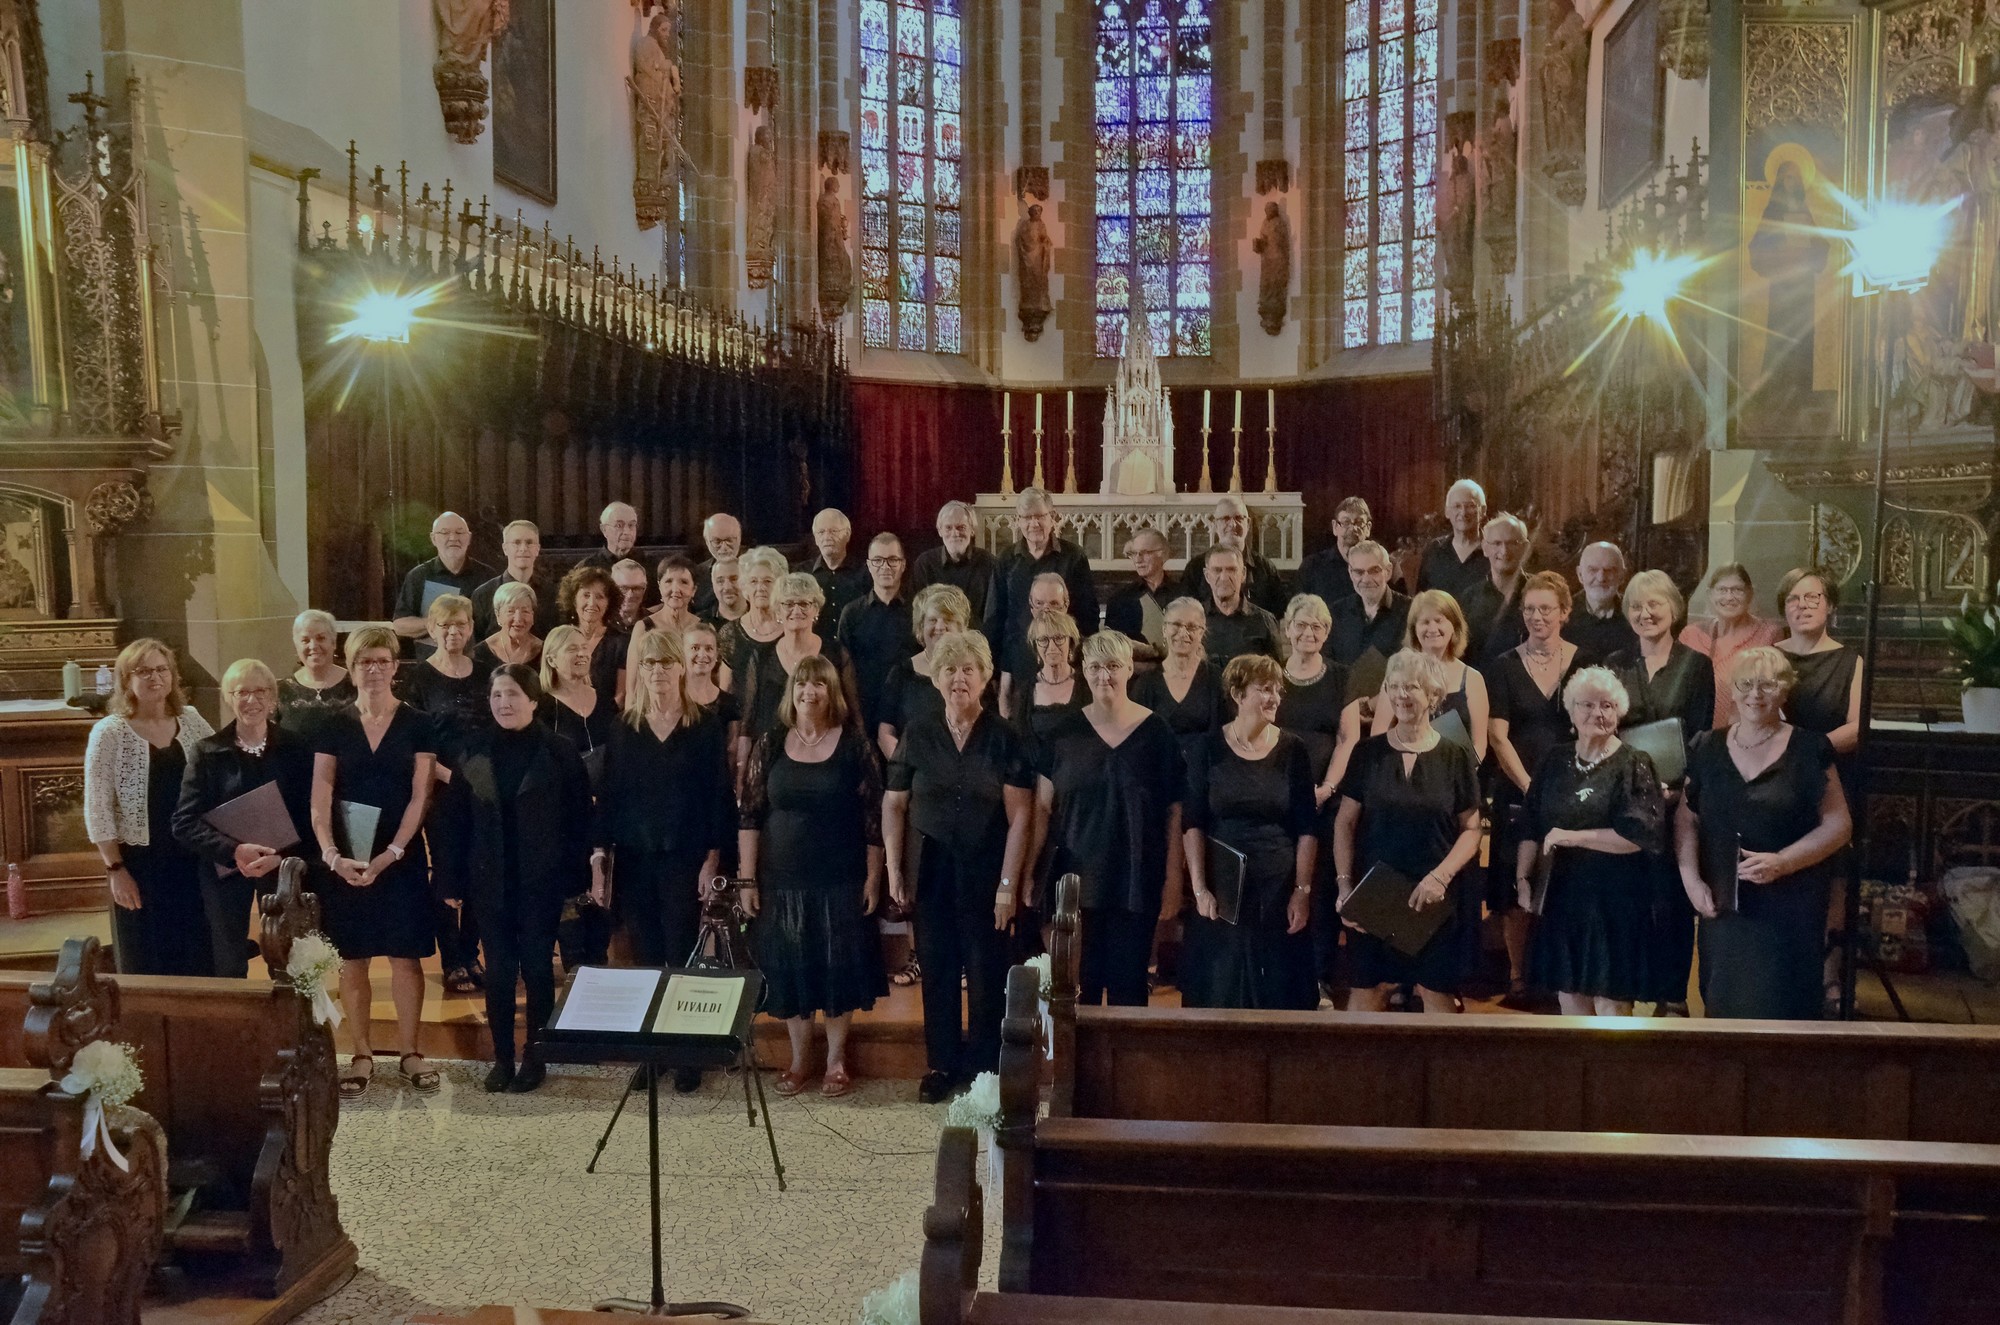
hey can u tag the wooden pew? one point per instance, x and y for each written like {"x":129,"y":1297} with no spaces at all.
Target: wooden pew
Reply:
{"x":243,"y":1080}
{"x":1714,"y":1229}
{"x":78,"y":1236}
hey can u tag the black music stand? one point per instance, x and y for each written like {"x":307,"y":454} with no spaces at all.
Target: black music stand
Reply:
{"x":654,"y":1052}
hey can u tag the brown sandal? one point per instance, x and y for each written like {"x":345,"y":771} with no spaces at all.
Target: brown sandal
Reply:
{"x":837,"y":1082}
{"x":355,"y":1084}
{"x":425,"y":1082}
{"x":791,"y":1083}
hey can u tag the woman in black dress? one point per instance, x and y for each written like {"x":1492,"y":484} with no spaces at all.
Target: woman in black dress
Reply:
{"x":1437,"y":627}
{"x":572,"y":706}
{"x":768,"y":673}
{"x":1045,"y":703}
{"x":1020,"y":658}
{"x":704,"y":664}
{"x":375,"y":898}
{"x":1409,"y":801}
{"x":1665,"y":679}
{"x":133,"y":765}
{"x":1593,"y":806}
{"x":452,"y":692}
{"x":513,"y":639}
{"x":758,"y":629}
{"x":320,"y":686}
{"x":528,"y":818}
{"x":584,"y":600}
{"x":1314,"y":704}
{"x":1185,"y":689}
{"x":1250,"y":787}
{"x":962,"y":780}
{"x":1525,"y":686}
{"x":245,"y":755}
{"x":675,"y":577}
{"x":938,"y":610}
{"x":1763,"y":818}
{"x":810,"y":839}
{"x":1108,"y":800}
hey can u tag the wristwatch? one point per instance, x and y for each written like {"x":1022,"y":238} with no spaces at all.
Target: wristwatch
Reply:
{"x":394,"y":850}
{"x":1302,"y":888}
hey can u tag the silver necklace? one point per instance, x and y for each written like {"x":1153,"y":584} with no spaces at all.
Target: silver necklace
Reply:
{"x":812,"y":742}
{"x":253,"y":750}
{"x":1583,"y":767}
{"x":1747,"y":746}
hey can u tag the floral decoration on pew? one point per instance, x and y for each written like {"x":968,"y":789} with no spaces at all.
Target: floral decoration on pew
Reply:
{"x":895,"y":1305}
{"x":978,"y":1106}
{"x":312,"y":964}
{"x":1044,"y":967}
{"x":107,"y":1076}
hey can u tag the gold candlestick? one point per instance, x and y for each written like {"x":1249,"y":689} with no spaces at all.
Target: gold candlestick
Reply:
{"x":1039,"y":482}
{"x":1236,"y":458}
{"x":1271,"y":463}
{"x":1069,"y":470}
{"x":1206,"y":484}
{"x":1006,"y":461}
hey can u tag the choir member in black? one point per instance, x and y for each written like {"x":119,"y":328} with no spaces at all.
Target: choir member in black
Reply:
{"x":676,"y":581}
{"x":810,"y":839}
{"x":1372,"y":615}
{"x":663,"y":807}
{"x":1315,"y":694}
{"x":758,"y":629}
{"x":133,"y":767}
{"x":619,"y":524}
{"x":722,"y":535}
{"x":876,"y":629}
{"x":1763,"y":817}
{"x":633,"y":590}
{"x":1036,"y":551}
{"x":725,"y":591}
{"x":961,"y":780}
{"x":584,"y":600}
{"x":1324,"y":573}
{"x":1593,"y":806}
{"x":1138,"y":610}
{"x":842,"y":578}
{"x":957,"y":560}
{"x":321,"y":686}
{"x":939,"y":610}
{"x":1261,"y":582}
{"x":769,"y":674}
{"x":1493,"y":606}
{"x":376,"y":899}
{"x":1186,"y":688}
{"x":452,"y":692}
{"x":1250,"y":787}
{"x":1599,"y":627}
{"x":245,"y":755}
{"x":513,"y":639}
{"x":1409,"y":800}
{"x":1437,"y":628}
{"x":1019,"y":658}
{"x":1525,"y":686}
{"x":1730,"y":628}
{"x":521,"y":540}
{"x":1108,"y":799}
{"x":1058,"y":692}
{"x":704,"y":664}
{"x":1236,"y":625}
{"x":452,"y":570}
{"x":527,"y":845}
{"x":1456,"y":562}
{"x":583,"y":715}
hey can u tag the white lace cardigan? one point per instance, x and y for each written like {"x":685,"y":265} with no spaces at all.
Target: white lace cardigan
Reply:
{"x":114,"y":777}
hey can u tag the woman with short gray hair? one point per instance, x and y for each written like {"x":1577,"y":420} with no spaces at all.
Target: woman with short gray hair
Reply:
{"x":320,"y":687}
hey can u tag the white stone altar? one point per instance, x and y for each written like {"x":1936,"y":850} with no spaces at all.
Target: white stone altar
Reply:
{"x":1138,"y":490}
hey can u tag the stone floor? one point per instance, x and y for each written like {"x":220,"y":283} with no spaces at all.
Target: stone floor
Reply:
{"x":465,"y":1198}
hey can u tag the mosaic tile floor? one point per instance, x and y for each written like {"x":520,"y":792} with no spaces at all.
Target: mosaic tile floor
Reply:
{"x":466,"y":1198}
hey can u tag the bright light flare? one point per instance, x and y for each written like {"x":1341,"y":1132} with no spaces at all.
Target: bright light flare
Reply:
{"x":1895,"y":244}
{"x":1650,"y":284}
{"x":383,"y":317}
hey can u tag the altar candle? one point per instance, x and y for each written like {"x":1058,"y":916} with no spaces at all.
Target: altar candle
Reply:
{"x":1038,"y":411}
{"x":1271,"y":408}
{"x":1239,"y":409}
{"x":1069,"y":407}
{"x":1204,"y":409}
{"x":1006,"y":411}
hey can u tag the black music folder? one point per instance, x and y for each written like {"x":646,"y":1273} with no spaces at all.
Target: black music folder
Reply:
{"x":1665,"y":743}
{"x":1380,"y":904}
{"x":1225,"y":879}
{"x":1451,"y":727}
{"x":259,"y":817}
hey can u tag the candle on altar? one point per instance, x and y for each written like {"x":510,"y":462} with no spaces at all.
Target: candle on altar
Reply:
{"x":1271,"y":407}
{"x":1239,"y":409}
{"x":1038,"y":411}
{"x":1006,"y":411}
{"x":1204,"y":408}
{"x":1070,"y":414}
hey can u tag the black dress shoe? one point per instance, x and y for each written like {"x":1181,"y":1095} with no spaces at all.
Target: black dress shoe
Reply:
{"x":499,"y":1077}
{"x":528,"y":1076}
{"x":935,"y":1088}
{"x":687,"y":1080}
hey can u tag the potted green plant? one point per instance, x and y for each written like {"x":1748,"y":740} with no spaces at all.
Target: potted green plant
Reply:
{"x":1973,"y":636}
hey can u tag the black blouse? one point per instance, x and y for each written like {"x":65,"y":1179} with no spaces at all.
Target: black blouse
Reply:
{"x":1112,"y":805}
{"x":1193,"y":716}
{"x":1621,"y":793}
{"x":457,"y":705}
{"x":1536,"y":723}
{"x":672,"y":796}
{"x":908,"y":695}
{"x":1769,"y":812}
{"x":957,"y":797}
{"x":221,"y":771}
{"x":1818,"y":701}
{"x":381,"y":777}
{"x":484,"y":660}
{"x":1683,"y":688}
{"x":762,"y":684}
{"x":1311,"y":710}
{"x":1240,"y":799}
{"x":1409,"y":821}
{"x":304,"y":710}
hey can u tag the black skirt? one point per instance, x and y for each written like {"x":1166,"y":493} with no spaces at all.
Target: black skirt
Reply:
{"x":1596,"y":929}
{"x":817,"y":952}
{"x":1253,"y":963}
{"x":389,"y":918}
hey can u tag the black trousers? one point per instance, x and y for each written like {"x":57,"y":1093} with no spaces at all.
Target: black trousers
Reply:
{"x":520,"y":936}
{"x":1117,"y":944}
{"x":955,"y":936}
{"x":655,"y":894}
{"x":455,"y":928}
{"x":227,"y":902}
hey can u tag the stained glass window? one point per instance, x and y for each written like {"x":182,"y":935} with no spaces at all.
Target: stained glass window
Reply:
{"x":1154,"y":109}
{"x":1389,"y":88}
{"x":911,"y":55}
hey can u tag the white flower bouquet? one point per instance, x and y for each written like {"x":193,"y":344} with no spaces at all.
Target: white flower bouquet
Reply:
{"x":311,"y":967}
{"x":895,"y":1305}
{"x":107,"y":1076}
{"x":978,"y":1106}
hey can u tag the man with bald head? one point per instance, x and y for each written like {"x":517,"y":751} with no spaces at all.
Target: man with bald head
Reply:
{"x":452,"y":570}
{"x":722,"y":535}
{"x":1598,"y":626}
{"x":619,"y":524}
{"x":958,"y":559}
{"x":1493,"y":606}
{"x":1262,"y":584}
{"x":1037,"y":551}
{"x":1456,"y":561}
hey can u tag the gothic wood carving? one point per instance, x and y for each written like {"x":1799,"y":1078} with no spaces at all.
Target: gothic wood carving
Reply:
{"x":836,"y":265}
{"x":1684,"y":38}
{"x":79,"y":1005}
{"x":111,"y":506}
{"x":1795,"y":73}
{"x":761,"y":229}
{"x":1564,"y":77}
{"x":760,"y":87}
{"x":465,"y":30}
{"x":1273,"y":246}
{"x":286,"y":914}
{"x":291,"y":1191}
{"x":954,"y":1226}
{"x":655,"y":83}
{"x":1032,"y":182}
{"x":1014,"y":1137}
{"x":92,"y":1244}
{"x":1065,"y":973}
{"x":1498,"y":155}
{"x":1274,"y":176}
{"x":1034,"y":251}
{"x":53,"y":794}
{"x":835,"y":151}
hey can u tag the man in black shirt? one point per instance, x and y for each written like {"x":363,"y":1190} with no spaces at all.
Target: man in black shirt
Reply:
{"x":1138,"y":610}
{"x":957,"y":561}
{"x":522,"y":542}
{"x":1493,"y":606}
{"x":1036,"y":551}
{"x":1373,"y":616}
{"x":1598,"y":626}
{"x":619,"y":524}
{"x":1230,"y":526}
{"x":452,"y":570}
{"x":1325,"y":571}
{"x":722,"y":535}
{"x":633,"y":587}
{"x":876,"y":628}
{"x":1235,"y":624}
{"x":1456,"y":562}
{"x":841,"y":578}
{"x":725,"y":591}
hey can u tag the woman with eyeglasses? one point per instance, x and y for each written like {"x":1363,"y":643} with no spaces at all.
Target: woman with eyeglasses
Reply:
{"x":758,"y":629}
{"x":575,"y":709}
{"x":1185,"y":689}
{"x":1056,"y":691}
{"x":767,"y":675}
{"x":1756,"y":836}
{"x":133,"y":766}
{"x":321,"y":686}
{"x":1730,"y":628}
{"x":910,"y":693}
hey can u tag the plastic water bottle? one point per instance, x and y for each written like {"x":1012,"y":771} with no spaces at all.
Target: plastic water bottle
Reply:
{"x":17,"y":894}
{"x":106,"y":682}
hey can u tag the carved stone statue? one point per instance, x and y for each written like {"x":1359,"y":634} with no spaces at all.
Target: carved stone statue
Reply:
{"x":836,"y":268}
{"x":1497,"y":181}
{"x":1274,"y":280}
{"x":465,"y":28}
{"x":1458,"y":214}
{"x":656,"y":115}
{"x":1033,"y":252}
{"x":761,"y":185}
{"x":1564,"y":78}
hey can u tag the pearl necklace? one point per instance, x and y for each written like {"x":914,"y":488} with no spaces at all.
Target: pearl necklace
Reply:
{"x":812,"y":742}
{"x":253,"y":750}
{"x":1584,"y":767}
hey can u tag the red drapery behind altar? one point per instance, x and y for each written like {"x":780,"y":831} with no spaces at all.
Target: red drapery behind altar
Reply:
{"x":917,"y":447}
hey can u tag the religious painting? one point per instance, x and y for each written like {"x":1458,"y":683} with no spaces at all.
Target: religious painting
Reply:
{"x":1635,"y":115}
{"x":524,"y":100}
{"x":1799,"y":90}
{"x":25,"y":590}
